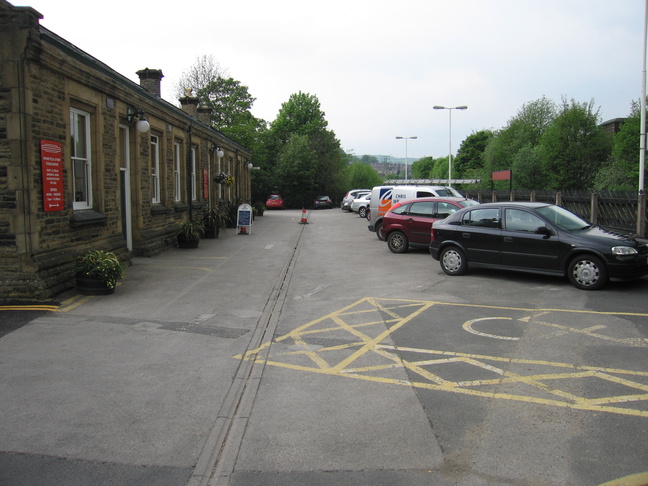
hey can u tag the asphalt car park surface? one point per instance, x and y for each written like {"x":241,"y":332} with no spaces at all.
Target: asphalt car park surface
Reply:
{"x":311,"y":354}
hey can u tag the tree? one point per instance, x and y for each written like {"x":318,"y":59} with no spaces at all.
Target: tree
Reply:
{"x":229,"y":100}
{"x":361,"y":175}
{"x":296,"y":168}
{"x":621,"y":172}
{"x":204,"y":70}
{"x":301,"y":115}
{"x":422,"y":168}
{"x":574,"y":147}
{"x":470,"y":156}
{"x":521,"y":135}
{"x":301,"y":121}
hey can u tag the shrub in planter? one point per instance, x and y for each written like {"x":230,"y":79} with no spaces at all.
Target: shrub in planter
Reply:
{"x":214,"y":220}
{"x":189,"y":234}
{"x":97,"y":272}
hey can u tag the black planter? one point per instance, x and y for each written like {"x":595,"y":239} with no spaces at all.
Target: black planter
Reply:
{"x":210,"y":232}
{"x":187,"y":242}
{"x":87,"y":285}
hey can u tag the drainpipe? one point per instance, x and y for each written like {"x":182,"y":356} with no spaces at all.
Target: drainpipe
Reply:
{"x":190,"y":181}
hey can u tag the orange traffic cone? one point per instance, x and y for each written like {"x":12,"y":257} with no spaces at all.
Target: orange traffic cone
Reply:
{"x":303,"y":218}
{"x":243,"y":231}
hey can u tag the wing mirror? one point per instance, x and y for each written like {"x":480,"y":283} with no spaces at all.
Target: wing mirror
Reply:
{"x":543,"y":230}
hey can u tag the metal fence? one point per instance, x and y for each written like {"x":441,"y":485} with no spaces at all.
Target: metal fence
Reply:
{"x":615,"y":210}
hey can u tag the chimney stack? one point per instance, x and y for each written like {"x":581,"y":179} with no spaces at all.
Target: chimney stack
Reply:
{"x":150,"y":80}
{"x":190,"y":104}
{"x":204,"y":115}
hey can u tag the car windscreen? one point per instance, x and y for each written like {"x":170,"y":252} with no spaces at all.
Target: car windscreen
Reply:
{"x":563,"y":218}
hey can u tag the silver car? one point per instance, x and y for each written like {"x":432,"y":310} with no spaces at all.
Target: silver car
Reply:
{"x":350,"y":196}
{"x":361,"y":204}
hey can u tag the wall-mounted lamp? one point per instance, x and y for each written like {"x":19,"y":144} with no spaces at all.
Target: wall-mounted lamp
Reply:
{"x":250,"y":166}
{"x":217,"y":150}
{"x":142,"y":124}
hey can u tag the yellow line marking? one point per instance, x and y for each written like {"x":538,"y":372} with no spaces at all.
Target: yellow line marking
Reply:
{"x":366,"y":354}
{"x":640,"y":479}
{"x":74,"y":302}
{"x":43,"y":307}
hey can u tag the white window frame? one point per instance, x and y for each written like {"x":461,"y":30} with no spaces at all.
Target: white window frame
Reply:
{"x":155,"y":169}
{"x":177,"y":176}
{"x":194,"y":192}
{"x":78,"y":159}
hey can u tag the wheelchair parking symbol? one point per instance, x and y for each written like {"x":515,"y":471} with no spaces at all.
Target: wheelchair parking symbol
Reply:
{"x":473,"y":325}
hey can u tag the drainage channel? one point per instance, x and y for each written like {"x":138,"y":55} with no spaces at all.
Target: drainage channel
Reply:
{"x":216,"y":462}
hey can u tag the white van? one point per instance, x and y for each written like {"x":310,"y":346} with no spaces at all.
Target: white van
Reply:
{"x":383,"y":197}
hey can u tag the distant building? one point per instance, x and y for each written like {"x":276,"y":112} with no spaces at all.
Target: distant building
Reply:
{"x":614,"y":125}
{"x":89,"y":159}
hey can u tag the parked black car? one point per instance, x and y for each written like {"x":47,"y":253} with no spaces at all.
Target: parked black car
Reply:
{"x":322,"y":202}
{"x":538,"y":238}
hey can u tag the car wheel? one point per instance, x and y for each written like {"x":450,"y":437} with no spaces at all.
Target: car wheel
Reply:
{"x":379,"y":233}
{"x":453,"y":261}
{"x":362,"y":212}
{"x":397,"y":242}
{"x":587,"y":272}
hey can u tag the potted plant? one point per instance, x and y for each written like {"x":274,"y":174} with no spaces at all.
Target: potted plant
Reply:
{"x":97,"y":272}
{"x":259,"y":208}
{"x":213,"y":220}
{"x":189,"y":233}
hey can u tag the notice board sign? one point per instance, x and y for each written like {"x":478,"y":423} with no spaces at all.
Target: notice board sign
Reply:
{"x":205,"y":184}
{"x":52,"y":172}
{"x":244,"y":219}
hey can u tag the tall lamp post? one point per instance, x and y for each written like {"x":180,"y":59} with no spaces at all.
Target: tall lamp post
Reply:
{"x":450,"y":108}
{"x":406,"y":159}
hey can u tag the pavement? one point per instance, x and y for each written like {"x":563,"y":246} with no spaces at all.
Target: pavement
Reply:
{"x":147,"y":385}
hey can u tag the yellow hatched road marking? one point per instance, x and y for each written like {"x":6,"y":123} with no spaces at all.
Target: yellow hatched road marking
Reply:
{"x":367,"y":324}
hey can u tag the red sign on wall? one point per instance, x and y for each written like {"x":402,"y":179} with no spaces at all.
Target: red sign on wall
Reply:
{"x":205,"y":185}
{"x":52,"y":169}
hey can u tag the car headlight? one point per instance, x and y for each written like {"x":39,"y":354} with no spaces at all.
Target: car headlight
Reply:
{"x":623,"y":250}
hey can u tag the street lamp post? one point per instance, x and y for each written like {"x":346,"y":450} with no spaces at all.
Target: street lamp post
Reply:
{"x":406,"y":159}
{"x":450,"y":108}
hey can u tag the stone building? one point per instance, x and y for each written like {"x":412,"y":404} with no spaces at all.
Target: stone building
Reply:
{"x":90,"y":159}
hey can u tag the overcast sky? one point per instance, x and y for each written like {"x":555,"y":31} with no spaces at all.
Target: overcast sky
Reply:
{"x":376,"y":66}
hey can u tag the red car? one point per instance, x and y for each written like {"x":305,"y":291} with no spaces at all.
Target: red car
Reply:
{"x":275,"y":201}
{"x":408,"y":223}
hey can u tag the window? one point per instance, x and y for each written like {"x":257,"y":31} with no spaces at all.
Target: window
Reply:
{"x":518,"y":220}
{"x":177,"y":179}
{"x":424,"y":208}
{"x":155,"y":169}
{"x":81,"y":159}
{"x":445,"y":209}
{"x":193,"y":174}
{"x":486,"y":218}
{"x":404,"y":209}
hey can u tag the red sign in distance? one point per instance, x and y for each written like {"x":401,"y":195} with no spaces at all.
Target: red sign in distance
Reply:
{"x":52,"y":168}
{"x":501,"y":175}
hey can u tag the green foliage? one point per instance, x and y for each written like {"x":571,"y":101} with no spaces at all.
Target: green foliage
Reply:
{"x":101,"y":264}
{"x":308,"y":158}
{"x":300,"y":115}
{"x":190,"y":229}
{"x":573,"y":148}
{"x":361,"y":175}
{"x":621,"y":173}
{"x":470,"y":156}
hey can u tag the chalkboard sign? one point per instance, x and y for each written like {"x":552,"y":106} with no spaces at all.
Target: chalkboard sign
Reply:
{"x":244,"y":219}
